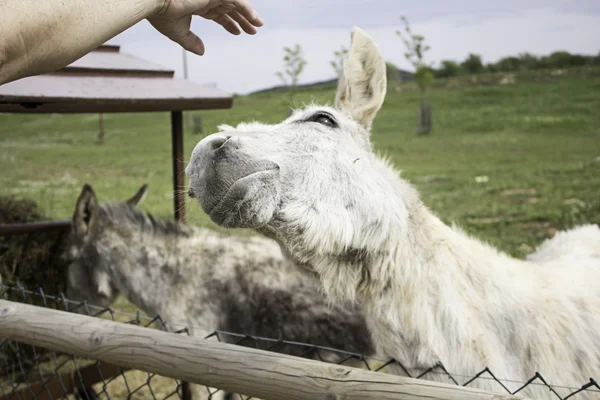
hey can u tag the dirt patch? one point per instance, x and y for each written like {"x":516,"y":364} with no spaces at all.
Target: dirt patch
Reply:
{"x":453,"y":84}
{"x":525,"y":248}
{"x":574,"y":202}
{"x":430,"y":178}
{"x":519,"y":192}
{"x":146,"y":386}
{"x":542,"y":228}
{"x":508,"y":79}
{"x":490,"y":220}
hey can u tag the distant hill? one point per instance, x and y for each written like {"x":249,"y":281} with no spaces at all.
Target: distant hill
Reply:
{"x":401,"y":74}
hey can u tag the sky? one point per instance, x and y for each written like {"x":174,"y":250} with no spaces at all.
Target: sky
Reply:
{"x":453,"y":29}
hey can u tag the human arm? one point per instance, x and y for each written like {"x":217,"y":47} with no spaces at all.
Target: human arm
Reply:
{"x":42,"y":36}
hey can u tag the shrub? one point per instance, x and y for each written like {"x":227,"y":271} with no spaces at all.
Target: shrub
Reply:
{"x":472,"y":64}
{"x":508,"y":64}
{"x":448,"y":68}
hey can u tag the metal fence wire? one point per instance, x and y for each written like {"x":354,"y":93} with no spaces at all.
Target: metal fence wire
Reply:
{"x":29,"y":372}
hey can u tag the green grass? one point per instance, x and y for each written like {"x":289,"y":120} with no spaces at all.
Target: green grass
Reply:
{"x":537,"y":142}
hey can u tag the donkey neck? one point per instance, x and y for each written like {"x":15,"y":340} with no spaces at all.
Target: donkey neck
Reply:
{"x":151,"y":258}
{"x":465,"y":294}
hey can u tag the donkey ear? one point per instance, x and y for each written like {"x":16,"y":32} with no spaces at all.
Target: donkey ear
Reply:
{"x":139,"y":196}
{"x":363,"y":84}
{"x":86,"y":210}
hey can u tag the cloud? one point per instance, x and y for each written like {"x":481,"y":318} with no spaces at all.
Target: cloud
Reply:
{"x":245,"y":63}
{"x":331,"y":14}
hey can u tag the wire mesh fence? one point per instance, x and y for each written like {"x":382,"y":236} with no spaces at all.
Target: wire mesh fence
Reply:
{"x":29,"y":372}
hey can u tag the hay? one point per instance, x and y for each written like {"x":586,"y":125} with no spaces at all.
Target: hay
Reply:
{"x":31,"y":259}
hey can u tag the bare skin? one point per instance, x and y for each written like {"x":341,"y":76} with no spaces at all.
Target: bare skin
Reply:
{"x":42,"y":36}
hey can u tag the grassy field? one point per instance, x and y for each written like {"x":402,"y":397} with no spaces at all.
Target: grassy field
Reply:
{"x":510,"y":163}
{"x":536,"y":143}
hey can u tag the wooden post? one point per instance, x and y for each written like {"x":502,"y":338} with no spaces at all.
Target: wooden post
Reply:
{"x":424,"y":119}
{"x":237,"y":369}
{"x":198,"y":126}
{"x":178,"y":167}
{"x":178,"y":190}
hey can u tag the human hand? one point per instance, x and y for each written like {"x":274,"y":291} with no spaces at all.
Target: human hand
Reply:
{"x":174,"y":19}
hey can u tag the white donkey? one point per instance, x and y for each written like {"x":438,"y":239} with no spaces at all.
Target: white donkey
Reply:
{"x":432,"y":295}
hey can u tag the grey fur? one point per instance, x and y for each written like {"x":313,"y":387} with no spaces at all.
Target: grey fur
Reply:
{"x":198,"y":278}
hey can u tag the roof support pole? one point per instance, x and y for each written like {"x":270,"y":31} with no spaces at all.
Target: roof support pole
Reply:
{"x":178,"y":167}
{"x":178,"y":190}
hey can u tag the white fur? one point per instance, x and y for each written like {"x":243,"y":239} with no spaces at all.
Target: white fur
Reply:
{"x":432,"y":294}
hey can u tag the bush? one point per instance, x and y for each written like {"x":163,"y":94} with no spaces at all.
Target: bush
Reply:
{"x":592,"y":60}
{"x":472,"y":64}
{"x":492,"y":67}
{"x":561,"y":59}
{"x":508,"y":64}
{"x":577,"y":60}
{"x":448,"y":68}
{"x":392,"y":72}
{"x":528,"y":61}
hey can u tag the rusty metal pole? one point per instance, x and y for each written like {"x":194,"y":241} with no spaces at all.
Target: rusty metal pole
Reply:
{"x":178,"y":167}
{"x":179,"y":193}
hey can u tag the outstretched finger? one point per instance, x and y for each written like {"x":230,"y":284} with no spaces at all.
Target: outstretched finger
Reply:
{"x":228,"y":23}
{"x":246,"y":10}
{"x":243,"y":22}
{"x":192,"y":43}
{"x":215,"y":12}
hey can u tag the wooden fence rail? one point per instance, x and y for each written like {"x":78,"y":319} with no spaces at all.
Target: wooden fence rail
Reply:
{"x":237,"y":369}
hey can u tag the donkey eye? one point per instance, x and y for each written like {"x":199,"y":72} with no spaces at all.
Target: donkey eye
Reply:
{"x":324,"y":119}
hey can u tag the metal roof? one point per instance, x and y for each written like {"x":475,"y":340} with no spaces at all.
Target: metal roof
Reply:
{"x":106,"y":80}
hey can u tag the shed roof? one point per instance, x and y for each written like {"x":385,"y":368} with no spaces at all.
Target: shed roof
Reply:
{"x":106,"y":80}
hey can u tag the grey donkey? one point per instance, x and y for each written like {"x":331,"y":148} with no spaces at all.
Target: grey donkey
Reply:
{"x":201,"y":279}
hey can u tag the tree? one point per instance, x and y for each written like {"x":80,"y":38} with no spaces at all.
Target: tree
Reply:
{"x":528,"y":61}
{"x":472,"y":64}
{"x":448,"y":68}
{"x":293,"y":65}
{"x":392,"y":72}
{"x":508,"y":64}
{"x":559,"y":59}
{"x":596,"y":59}
{"x":415,"y":54}
{"x":339,"y":56}
{"x":491,"y":67}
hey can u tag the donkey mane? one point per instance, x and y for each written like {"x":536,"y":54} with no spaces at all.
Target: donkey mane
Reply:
{"x":431,"y":294}
{"x":125,"y":214}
